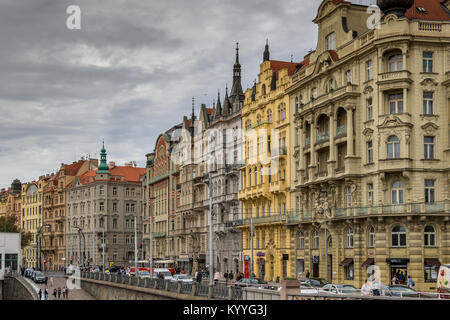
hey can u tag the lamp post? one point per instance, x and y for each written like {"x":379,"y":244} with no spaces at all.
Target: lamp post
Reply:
{"x":102,"y":220}
{"x":150,"y":217}
{"x":81,"y":234}
{"x":211,"y":250}
{"x":39,"y":242}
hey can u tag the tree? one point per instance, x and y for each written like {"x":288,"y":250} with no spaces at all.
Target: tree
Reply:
{"x":8,"y":224}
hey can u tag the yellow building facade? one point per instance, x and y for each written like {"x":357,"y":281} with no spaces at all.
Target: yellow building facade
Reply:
{"x":265,"y":178}
{"x":370,"y":120}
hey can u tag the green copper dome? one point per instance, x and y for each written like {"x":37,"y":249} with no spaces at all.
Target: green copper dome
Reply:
{"x":103,"y":167}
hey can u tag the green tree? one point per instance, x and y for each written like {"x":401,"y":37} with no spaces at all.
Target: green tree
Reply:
{"x":8,"y":224}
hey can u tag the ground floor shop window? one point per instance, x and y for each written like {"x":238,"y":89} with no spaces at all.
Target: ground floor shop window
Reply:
{"x":300,"y":267}
{"x":431,"y":273}
{"x":11,"y":261}
{"x":350,"y":271}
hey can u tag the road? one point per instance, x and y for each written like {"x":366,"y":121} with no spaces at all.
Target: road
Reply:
{"x":59,"y":282}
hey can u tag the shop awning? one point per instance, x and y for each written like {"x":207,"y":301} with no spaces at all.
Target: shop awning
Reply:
{"x":432,"y":262}
{"x":346,"y":262}
{"x":368,"y":262}
{"x":182,"y":260}
{"x":398,"y":262}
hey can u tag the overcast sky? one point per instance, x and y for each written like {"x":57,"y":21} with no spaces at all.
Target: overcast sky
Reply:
{"x":129,"y":74}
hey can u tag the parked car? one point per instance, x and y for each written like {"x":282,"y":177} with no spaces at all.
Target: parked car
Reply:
{"x":252,"y":282}
{"x":340,"y":289}
{"x":315,"y":282}
{"x":399,"y":290}
{"x":165,"y":273}
{"x":38,"y":277}
{"x":306,"y":288}
{"x":182,"y":277}
{"x":144,"y":274}
{"x":28,"y":272}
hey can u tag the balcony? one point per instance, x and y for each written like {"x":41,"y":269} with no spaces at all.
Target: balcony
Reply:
{"x":231,"y":197}
{"x":322,"y":137}
{"x":394,"y":164}
{"x":279,"y":218}
{"x":341,"y":131}
{"x":158,"y":234}
{"x":281,"y":151}
{"x":277,"y":186}
{"x":393,"y":77}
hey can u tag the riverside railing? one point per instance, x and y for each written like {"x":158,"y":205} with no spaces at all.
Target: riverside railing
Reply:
{"x":219,"y":290}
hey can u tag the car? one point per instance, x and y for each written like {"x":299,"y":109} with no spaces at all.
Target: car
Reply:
{"x":182,"y":277}
{"x":28,"y":272}
{"x":39,"y":277}
{"x":144,"y":274}
{"x":252,"y":282}
{"x":399,"y":290}
{"x":315,"y":282}
{"x":306,"y":288}
{"x":161,"y":272}
{"x":114,"y":269}
{"x":340,"y":289}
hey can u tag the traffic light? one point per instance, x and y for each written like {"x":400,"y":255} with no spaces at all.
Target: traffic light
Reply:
{"x":140,"y":246}
{"x":45,"y":260}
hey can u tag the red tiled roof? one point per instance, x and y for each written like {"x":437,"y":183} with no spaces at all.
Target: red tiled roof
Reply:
{"x":72,"y":169}
{"x":209,"y":111}
{"x":333,"y":55}
{"x":434,"y":9}
{"x":276,"y":66}
{"x":304,"y":64}
{"x":130,"y":174}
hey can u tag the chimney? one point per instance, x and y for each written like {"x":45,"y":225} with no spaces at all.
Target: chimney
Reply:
{"x":111,"y":164}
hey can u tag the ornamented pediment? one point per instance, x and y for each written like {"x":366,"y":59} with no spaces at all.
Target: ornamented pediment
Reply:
{"x":296,"y":154}
{"x":430,"y":128}
{"x":393,"y":121}
{"x":429,"y":83}
{"x":368,"y":133}
{"x":368,"y":89}
{"x":324,"y":9}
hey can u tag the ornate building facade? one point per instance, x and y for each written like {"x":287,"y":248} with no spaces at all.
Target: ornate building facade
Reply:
{"x":104,"y":201}
{"x":265,"y":178}
{"x":370,"y":120}
{"x":54,"y":209}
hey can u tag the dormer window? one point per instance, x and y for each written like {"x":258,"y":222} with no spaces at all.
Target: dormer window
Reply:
{"x":331,"y":41}
{"x":421,"y":9}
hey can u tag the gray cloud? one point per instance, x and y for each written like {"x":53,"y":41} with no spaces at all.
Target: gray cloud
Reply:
{"x":129,"y":74}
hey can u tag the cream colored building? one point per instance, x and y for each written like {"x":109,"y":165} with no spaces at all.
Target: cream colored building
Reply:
{"x":370,"y":121}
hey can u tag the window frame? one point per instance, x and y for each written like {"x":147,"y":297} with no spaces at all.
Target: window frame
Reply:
{"x":398,"y":235}
{"x":429,"y":147}
{"x":427,"y":62}
{"x":393,"y":150}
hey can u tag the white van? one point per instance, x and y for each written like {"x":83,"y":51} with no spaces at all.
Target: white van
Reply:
{"x":164,"y":272}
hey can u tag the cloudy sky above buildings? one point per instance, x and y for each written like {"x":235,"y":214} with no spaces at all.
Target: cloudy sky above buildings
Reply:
{"x":129,"y":74}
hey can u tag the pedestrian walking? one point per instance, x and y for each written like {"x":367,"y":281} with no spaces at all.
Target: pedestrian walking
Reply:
{"x":365,"y":289}
{"x":394,"y":280}
{"x":64,"y":292}
{"x":46,"y":293}
{"x":411,"y":283}
{"x":40,"y":294}
{"x":225,"y":275}
{"x":55,"y":292}
{"x":199,"y":276}
{"x":230,"y":275}
{"x":59,"y":292}
{"x":51,"y":281}
{"x":376,"y":287}
{"x":401,"y":278}
{"x":307,"y":274}
{"x":46,"y":279}
{"x":67,"y":293}
{"x":216,"y":276}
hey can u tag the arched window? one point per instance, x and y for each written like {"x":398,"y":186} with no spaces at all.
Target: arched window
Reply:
{"x":256,"y":175}
{"x":372,"y":237}
{"x":398,"y":235}
{"x":279,"y":113}
{"x":395,"y":63}
{"x":269,"y":115}
{"x":430,"y":236}
{"x":301,"y":240}
{"x":393,"y":147}
{"x":316,"y":240}
{"x":397,"y":192}
{"x":258,"y":119}
{"x":350,"y":234}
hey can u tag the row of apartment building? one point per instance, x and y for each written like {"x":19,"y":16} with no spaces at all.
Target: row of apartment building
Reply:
{"x":337,"y":166}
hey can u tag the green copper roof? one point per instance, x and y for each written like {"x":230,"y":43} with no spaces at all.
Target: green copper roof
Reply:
{"x":103,"y":167}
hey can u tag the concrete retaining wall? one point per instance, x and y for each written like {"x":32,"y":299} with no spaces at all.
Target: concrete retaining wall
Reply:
{"x":17,"y":289}
{"x":103,"y":290}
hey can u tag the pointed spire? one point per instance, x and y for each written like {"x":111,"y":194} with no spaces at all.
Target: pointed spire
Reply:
{"x":266,"y":51}
{"x":226,"y":104}
{"x":237,"y":54}
{"x":236,"y":94}
{"x":218,"y":112}
{"x":193,"y":114}
{"x":103,"y":167}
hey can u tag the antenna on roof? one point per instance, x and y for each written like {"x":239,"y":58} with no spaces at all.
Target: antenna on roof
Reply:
{"x":292,"y":57}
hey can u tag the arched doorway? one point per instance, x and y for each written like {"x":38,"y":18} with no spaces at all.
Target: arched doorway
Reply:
{"x":330,"y":258}
{"x":262,"y":268}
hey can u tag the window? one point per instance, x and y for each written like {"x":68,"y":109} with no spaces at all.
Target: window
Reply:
{"x":397,"y":192}
{"x":114,"y":206}
{"x":431,"y":273}
{"x":369,"y":109}
{"x":398,"y":236}
{"x":102,"y":206}
{"x":331,"y":41}
{"x":395,"y":63}
{"x":114,"y":239}
{"x":250,"y":177}
{"x":301,"y":240}
{"x":428,"y":147}
{"x":114,"y":223}
{"x":428,"y":62}
{"x":369,"y":152}
{"x":102,"y":190}
{"x":348,"y":196}
{"x":396,"y":103}
{"x":370,"y":193}
{"x":393,"y":147}
{"x":372,"y":237}
{"x":429,"y":191}
{"x":428,"y":103}
{"x":348,"y":75}
{"x":350,"y":234}
{"x":430,"y":236}
{"x":369,"y":72}
{"x":316,"y":240}
{"x":114,"y":191}
{"x":350,"y":271}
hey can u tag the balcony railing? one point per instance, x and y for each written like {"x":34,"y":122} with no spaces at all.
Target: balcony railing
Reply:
{"x":322,"y":136}
{"x":159,"y":234}
{"x":427,"y":26}
{"x":281,"y":151}
{"x":341,"y":131}
{"x":262,"y":220}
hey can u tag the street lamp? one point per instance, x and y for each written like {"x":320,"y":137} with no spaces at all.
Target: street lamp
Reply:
{"x":38,"y":239}
{"x":211,"y":253}
{"x":102,"y":220}
{"x":80,"y":233}
{"x":150,"y":217}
